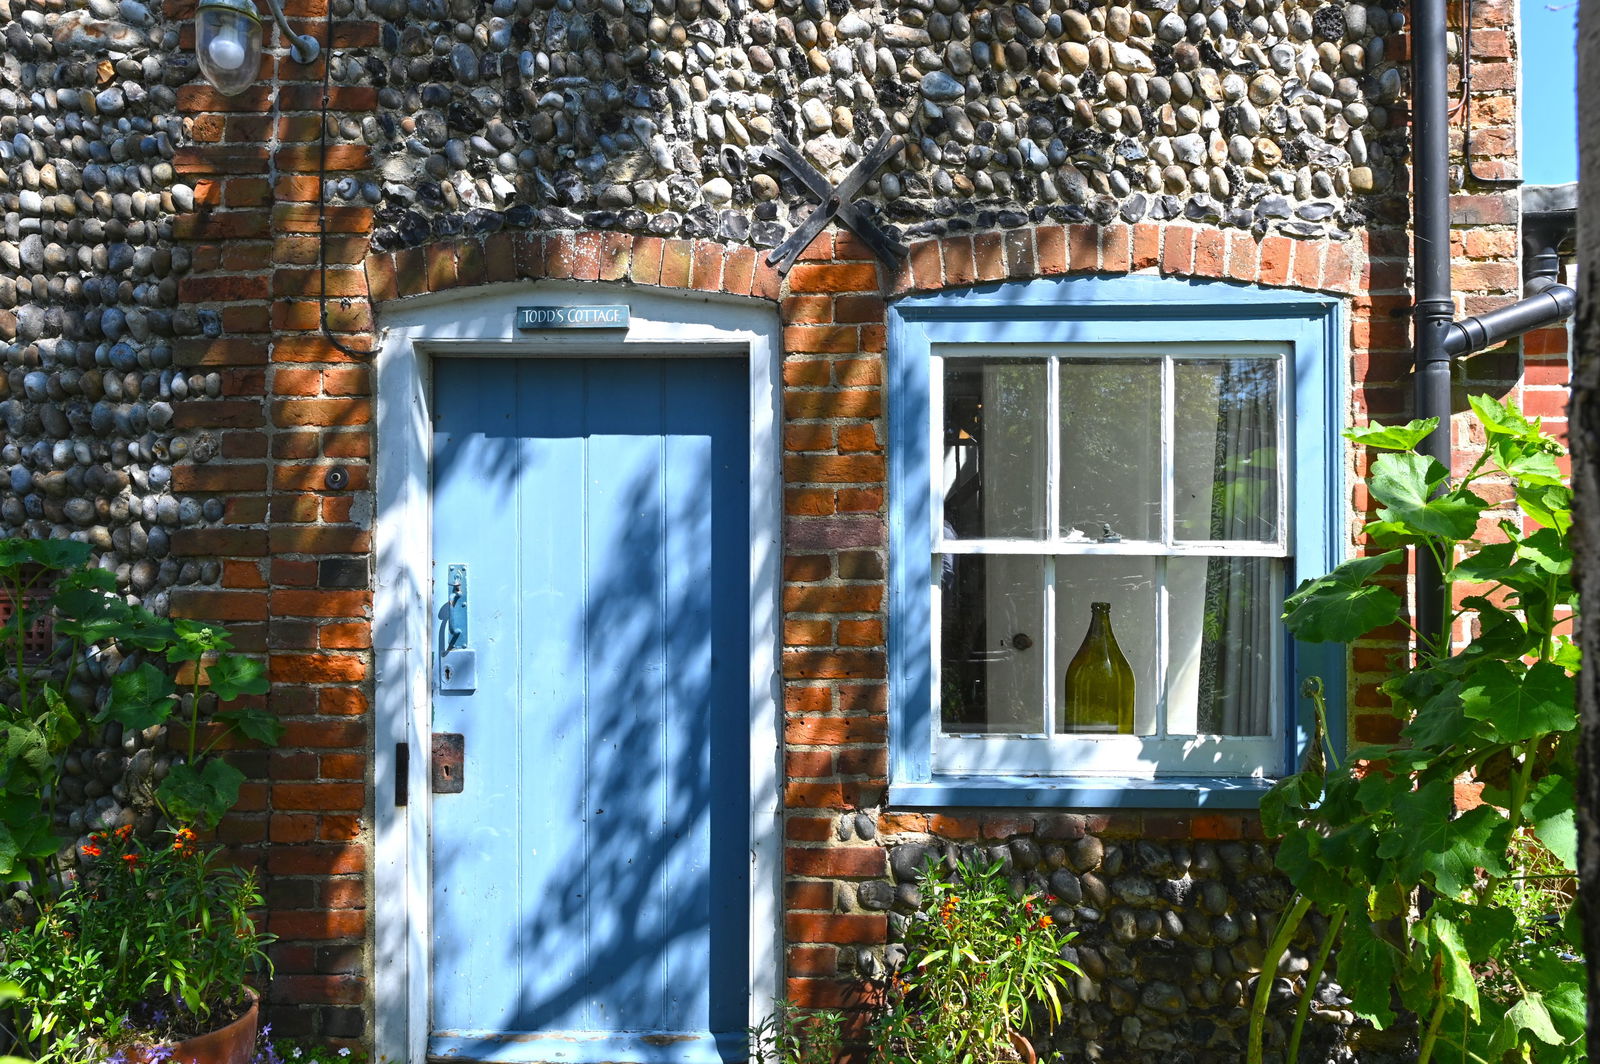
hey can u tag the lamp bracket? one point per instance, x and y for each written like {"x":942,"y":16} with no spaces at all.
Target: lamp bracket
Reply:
{"x":303,"y":48}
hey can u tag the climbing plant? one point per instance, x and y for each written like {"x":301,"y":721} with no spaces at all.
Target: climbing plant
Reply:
{"x":1460,"y":919}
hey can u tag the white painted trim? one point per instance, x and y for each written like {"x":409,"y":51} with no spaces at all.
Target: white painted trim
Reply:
{"x":478,"y":323}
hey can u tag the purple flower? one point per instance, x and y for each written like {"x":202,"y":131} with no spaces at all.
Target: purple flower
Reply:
{"x":159,"y":1054}
{"x":119,"y":1057}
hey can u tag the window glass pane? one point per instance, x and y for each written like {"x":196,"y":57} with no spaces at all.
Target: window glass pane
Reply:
{"x":1225,"y":449}
{"x":1128,"y":586}
{"x":1111,"y":449}
{"x":1223,"y":617}
{"x":995,"y":448}
{"x":991,"y":672}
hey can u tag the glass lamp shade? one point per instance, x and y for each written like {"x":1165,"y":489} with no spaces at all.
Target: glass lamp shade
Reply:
{"x":227,"y":42}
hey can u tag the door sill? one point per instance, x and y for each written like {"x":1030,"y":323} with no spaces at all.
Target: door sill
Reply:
{"x":588,"y":1047}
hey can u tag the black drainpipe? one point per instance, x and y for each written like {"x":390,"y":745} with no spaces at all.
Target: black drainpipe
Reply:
{"x":1438,"y":337}
{"x":1434,"y":309}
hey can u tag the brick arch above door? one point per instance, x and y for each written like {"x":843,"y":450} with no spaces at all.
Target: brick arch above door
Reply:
{"x":687,"y":265}
{"x":839,"y":263}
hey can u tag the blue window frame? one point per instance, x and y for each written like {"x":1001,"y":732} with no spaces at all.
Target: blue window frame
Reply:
{"x":1015,"y":371}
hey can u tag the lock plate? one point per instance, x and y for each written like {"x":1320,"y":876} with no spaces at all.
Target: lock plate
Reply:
{"x":458,"y":670}
{"x":447,"y":766}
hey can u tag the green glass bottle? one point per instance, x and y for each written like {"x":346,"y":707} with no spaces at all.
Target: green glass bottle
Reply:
{"x":1098,"y":695}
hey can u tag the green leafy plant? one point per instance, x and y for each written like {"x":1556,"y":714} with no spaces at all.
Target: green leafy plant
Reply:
{"x":792,"y":1036}
{"x":43,"y":712}
{"x":153,"y":943}
{"x":1415,"y":894}
{"x":140,"y":943}
{"x":982,"y":967}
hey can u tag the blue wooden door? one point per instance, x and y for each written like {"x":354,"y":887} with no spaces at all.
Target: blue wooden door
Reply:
{"x":590,"y":882}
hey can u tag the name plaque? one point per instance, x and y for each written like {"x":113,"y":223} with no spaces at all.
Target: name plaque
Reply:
{"x":574,"y":317}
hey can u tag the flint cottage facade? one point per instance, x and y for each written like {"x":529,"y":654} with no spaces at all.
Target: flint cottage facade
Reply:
{"x":653,"y":574}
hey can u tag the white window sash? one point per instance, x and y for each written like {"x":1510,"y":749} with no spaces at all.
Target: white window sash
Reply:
{"x":1043,"y":753}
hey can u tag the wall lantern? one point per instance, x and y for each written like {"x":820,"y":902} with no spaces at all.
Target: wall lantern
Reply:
{"x":227,"y":41}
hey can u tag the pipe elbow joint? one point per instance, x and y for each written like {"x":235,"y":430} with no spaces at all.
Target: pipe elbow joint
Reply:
{"x":1553,"y":304}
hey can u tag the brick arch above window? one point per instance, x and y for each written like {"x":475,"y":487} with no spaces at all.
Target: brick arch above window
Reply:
{"x":1173,"y":249}
{"x":1170,"y":249}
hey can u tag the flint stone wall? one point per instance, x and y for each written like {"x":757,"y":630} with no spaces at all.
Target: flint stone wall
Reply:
{"x":650,"y":116}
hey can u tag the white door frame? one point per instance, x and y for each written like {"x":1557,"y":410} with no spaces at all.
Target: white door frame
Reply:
{"x":480,"y":323}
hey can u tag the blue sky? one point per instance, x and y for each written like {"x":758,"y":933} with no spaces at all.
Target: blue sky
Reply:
{"x":1550,"y":96}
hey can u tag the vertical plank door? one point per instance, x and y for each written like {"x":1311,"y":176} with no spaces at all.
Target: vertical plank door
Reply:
{"x":590,"y":882}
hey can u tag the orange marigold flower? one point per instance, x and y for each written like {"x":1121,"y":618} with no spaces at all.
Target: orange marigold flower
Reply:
{"x":1027,"y":906}
{"x":91,"y":850}
{"x":125,"y":831}
{"x":1045,"y":921}
{"x":131,"y":859}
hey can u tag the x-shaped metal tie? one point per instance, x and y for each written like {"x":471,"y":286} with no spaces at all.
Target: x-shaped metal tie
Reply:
{"x":836,"y":201}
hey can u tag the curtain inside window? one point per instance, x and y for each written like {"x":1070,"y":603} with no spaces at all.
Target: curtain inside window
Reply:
{"x":1234,"y":694}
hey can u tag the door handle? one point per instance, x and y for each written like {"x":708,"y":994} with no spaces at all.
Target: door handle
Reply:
{"x":458,"y":663}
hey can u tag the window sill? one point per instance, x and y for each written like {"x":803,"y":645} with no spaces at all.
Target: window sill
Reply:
{"x":1080,"y":792}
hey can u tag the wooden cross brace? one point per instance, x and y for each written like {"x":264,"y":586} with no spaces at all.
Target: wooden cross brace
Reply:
{"x":836,"y":202}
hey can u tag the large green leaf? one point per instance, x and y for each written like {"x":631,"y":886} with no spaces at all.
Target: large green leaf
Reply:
{"x":140,"y":697}
{"x":52,"y":553}
{"x":1392,"y":437}
{"x":1520,"y":707}
{"x":1550,"y":506}
{"x":1476,"y":839}
{"x":253,"y":723}
{"x":1367,"y":967}
{"x":1491,"y":564}
{"x":200,"y":796}
{"x":1422,"y":820}
{"x":1546,"y":549}
{"x":1441,"y":724}
{"x":1530,"y":466}
{"x":1502,"y":419}
{"x":232,"y":675}
{"x":25,"y":835}
{"x":59,"y":725}
{"x":24,"y":755}
{"x":1342,"y":606}
{"x":1567,"y":1004}
{"x":1501,"y":633}
{"x":1527,"y":1014}
{"x":1404,"y":482}
{"x":1488,"y":931}
{"x":1550,"y":808}
{"x":1452,"y":966}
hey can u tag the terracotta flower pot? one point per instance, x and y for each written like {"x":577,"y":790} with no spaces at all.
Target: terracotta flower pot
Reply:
{"x":233,"y":1044}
